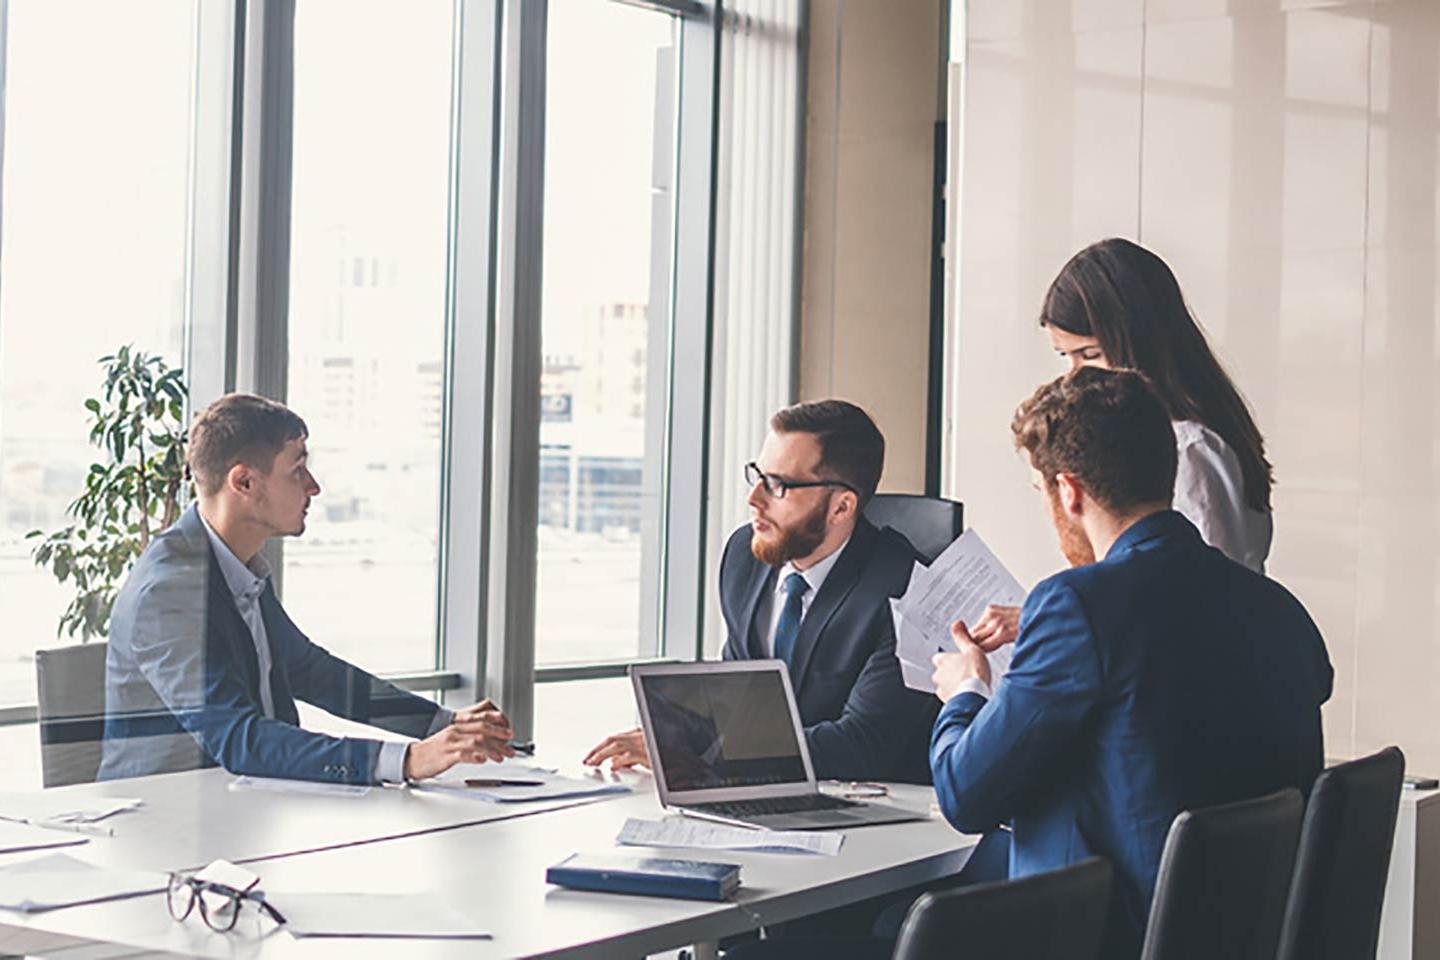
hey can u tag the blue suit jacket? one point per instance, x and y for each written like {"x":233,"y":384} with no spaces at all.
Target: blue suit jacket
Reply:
{"x":1163,"y":678}
{"x":183,"y":681}
{"x":860,"y":721}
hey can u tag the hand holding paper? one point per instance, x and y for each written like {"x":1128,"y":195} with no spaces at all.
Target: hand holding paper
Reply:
{"x":961,"y":584}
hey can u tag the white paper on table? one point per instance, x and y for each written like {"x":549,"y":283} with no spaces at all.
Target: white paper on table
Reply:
{"x":686,"y":832}
{"x":15,"y":837}
{"x":552,"y":785}
{"x":61,"y":806}
{"x":273,"y":785}
{"x":59,"y":880}
{"x":372,"y":915}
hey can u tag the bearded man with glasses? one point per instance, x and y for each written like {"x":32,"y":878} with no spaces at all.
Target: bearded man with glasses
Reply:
{"x":809,"y":581}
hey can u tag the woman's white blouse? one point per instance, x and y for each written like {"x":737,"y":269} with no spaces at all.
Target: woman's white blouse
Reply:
{"x":1210,"y":492}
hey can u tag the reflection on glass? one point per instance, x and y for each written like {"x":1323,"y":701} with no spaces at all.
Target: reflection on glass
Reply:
{"x":367,"y":322}
{"x":92,"y":256}
{"x":609,"y":158}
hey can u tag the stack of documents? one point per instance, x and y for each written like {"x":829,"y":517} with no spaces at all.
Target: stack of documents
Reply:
{"x":959,"y":585}
{"x":683,"y":832}
{"x":59,"y":880}
{"x":515,"y":781}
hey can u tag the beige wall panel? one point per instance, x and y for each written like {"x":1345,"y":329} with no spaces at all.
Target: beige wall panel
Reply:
{"x":1052,"y":153}
{"x":866,"y":291}
{"x":1398,"y":668}
{"x":1012,"y":19}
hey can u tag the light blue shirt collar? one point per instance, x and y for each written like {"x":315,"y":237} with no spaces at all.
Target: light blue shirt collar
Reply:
{"x":245,"y":582}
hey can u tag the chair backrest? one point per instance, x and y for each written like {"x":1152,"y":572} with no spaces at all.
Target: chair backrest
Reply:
{"x":1224,"y":876}
{"x":1058,"y":915}
{"x":1339,"y":885}
{"x":70,"y":684}
{"x":929,"y":523}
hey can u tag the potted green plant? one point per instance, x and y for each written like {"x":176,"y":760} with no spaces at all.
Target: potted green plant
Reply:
{"x":136,"y":488}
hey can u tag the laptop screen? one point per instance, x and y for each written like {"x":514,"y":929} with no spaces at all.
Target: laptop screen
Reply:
{"x":718,"y":730}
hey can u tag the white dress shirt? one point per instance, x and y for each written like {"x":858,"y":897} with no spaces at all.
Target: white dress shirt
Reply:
{"x":1210,"y":492}
{"x":246,"y":583}
{"x":773,"y":601}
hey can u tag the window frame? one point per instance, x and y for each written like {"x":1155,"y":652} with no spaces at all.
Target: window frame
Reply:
{"x":237,"y":314}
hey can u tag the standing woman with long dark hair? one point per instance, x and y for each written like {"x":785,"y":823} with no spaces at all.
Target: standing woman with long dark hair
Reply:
{"x":1116,"y":304}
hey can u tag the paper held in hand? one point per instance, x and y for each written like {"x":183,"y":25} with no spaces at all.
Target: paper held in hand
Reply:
{"x":959,"y":585}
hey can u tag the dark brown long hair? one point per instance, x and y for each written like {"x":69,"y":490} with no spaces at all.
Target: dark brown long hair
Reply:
{"x":1126,"y":297}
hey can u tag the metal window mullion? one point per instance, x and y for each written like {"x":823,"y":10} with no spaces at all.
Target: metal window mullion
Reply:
{"x":262,"y":290}
{"x":469,"y":375}
{"x":693,"y":310}
{"x":515,"y":463}
{"x":213,"y":221}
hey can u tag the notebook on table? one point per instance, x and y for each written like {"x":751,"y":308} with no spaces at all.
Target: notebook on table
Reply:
{"x":646,"y":876}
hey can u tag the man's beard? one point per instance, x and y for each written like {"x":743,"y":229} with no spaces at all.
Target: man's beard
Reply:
{"x":1073,"y":541}
{"x":792,"y":542}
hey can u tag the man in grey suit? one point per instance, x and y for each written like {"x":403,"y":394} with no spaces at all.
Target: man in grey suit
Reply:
{"x":204,"y":667}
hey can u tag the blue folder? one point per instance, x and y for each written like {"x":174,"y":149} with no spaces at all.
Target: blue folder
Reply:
{"x":646,"y":876}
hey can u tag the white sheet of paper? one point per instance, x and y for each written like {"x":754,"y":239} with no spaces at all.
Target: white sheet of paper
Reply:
{"x":917,"y":677}
{"x":372,"y":915}
{"x":59,"y":880}
{"x":687,"y":832}
{"x":61,"y":806}
{"x":959,"y":585}
{"x":553,"y":786}
{"x":272,"y":785}
{"x":15,"y":837}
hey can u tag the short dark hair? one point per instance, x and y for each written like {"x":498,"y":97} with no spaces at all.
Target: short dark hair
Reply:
{"x":1107,"y":427}
{"x":852,"y":449}
{"x":239,"y":428}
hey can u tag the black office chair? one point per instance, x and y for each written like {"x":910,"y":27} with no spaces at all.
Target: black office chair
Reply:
{"x":1058,"y":915}
{"x":1224,"y":876}
{"x":930,"y":523}
{"x":1339,"y":885}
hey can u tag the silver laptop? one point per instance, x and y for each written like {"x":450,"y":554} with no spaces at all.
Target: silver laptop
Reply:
{"x":725,"y":743}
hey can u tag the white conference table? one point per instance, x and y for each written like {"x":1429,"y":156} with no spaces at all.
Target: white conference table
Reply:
{"x":490,"y":870}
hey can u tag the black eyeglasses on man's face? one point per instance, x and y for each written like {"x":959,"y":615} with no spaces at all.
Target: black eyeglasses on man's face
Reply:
{"x":777,"y":486}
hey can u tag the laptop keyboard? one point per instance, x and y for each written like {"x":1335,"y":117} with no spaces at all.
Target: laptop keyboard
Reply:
{"x":804,"y":803}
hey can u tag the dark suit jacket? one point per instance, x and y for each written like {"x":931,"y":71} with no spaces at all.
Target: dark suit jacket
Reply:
{"x":861,"y":723}
{"x":1163,"y":678}
{"x":183,"y":681}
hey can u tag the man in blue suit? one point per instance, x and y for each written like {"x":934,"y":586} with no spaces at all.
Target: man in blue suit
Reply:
{"x":1153,"y":677}
{"x":203,"y":665}
{"x":809,"y":581}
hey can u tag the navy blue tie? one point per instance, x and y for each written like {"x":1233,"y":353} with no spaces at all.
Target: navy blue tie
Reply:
{"x":788,"y":628}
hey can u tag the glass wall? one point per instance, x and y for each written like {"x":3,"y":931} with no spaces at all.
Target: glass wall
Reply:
{"x":93,"y":240}
{"x":367,"y":322}
{"x":609,"y":222}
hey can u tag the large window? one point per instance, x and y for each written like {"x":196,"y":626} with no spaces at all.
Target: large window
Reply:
{"x":347,"y":210}
{"x":97,"y":146}
{"x":367,"y":321}
{"x":609,"y":222}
